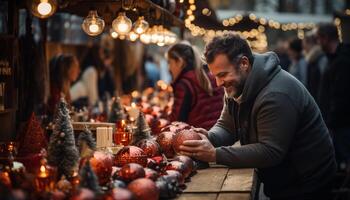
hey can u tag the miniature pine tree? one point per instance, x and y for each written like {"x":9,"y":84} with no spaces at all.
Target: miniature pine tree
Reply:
{"x":33,"y":139}
{"x":86,"y":143}
{"x":117,"y":111}
{"x":142,"y":130}
{"x":88,"y":178}
{"x":62,"y":151}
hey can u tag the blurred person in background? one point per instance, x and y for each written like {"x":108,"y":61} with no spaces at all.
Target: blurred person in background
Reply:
{"x":152,"y":71}
{"x":197,"y":99}
{"x":64,"y":70}
{"x":316,"y":64}
{"x":298,"y":67}
{"x":335,"y":93}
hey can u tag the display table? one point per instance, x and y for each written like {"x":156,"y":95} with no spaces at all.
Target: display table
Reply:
{"x":220,"y":183}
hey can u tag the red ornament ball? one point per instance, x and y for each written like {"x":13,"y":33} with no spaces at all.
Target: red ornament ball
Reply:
{"x":165,"y":141}
{"x":119,"y":194}
{"x":174,"y":175}
{"x":151,"y":174}
{"x":130,"y":154}
{"x":188,"y":162}
{"x":150,"y":147}
{"x":131,"y":171}
{"x":183,"y":136}
{"x":178,"y":166}
{"x":144,"y":189}
{"x":102,"y":164}
{"x":176,"y":127}
{"x":83,"y":194}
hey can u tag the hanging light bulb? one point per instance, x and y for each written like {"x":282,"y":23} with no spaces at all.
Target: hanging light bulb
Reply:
{"x":146,"y":37}
{"x":93,"y":24}
{"x":141,"y":25}
{"x":122,"y":24}
{"x":114,"y":34}
{"x":43,"y":8}
{"x":133,"y":36}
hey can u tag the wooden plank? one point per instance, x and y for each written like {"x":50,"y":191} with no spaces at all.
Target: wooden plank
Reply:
{"x":235,"y":196}
{"x":238,"y":180}
{"x":207,"y":180}
{"x":197,"y":196}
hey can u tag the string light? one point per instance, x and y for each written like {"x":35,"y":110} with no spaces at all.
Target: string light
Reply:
{"x":122,"y":24}
{"x":93,"y":24}
{"x":43,"y":8}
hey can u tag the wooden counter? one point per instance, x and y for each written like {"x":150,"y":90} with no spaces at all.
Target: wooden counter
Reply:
{"x":220,"y":183}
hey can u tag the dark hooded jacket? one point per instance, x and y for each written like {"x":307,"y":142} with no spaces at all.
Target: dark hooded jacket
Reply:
{"x":281,"y":132}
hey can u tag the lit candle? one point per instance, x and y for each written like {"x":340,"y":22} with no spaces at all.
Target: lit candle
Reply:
{"x":75,"y":180}
{"x":133,"y":111}
{"x":42,"y":180}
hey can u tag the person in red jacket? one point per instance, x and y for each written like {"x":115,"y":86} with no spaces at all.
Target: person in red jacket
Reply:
{"x":64,"y":70}
{"x":197,"y":99}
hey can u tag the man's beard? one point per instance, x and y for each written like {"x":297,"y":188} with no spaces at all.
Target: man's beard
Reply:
{"x":235,"y":89}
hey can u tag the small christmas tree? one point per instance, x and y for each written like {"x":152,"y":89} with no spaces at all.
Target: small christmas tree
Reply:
{"x":117,"y":111}
{"x":86,"y":143}
{"x":32,"y":139}
{"x":142,"y":130}
{"x":62,"y":151}
{"x":88,"y":178}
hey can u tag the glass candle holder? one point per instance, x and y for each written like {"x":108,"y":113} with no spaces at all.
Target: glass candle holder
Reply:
{"x":46,"y":178}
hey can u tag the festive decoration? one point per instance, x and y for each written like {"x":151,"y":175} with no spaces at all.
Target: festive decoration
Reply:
{"x":176,"y":127}
{"x":142,"y":130}
{"x":157,"y":163}
{"x":178,"y":166}
{"x":101,"y":164}
{"x":116,"y":112}
{"x":32,"y":139}
{"x":144,"y":189}
{"x":62,"y":151}
{"x":151,"y":174}
{"x":83,"y":194}
{"x":88,"y":178}
{"x":86,"y":143}
{"x":119,"y":194}
{"x":150,"y":147}
{"x":174,"y":175}
{"x":64,"y":185}
{"x":130,"y":172}
{"x":5,"y":179}
{"x":165,"y":141}
{"x":188,"y":163}
{"x":183,"y":136}
{"x":46,"y":177}
{"x":121,"y":135}
{"x":168,"y":188}
{"x":130,"y":154}
{"x":116,"y":184}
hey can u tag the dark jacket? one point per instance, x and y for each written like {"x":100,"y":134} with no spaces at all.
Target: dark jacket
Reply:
{"x":192,"y":104}
{"x":335,"y":94}
{"x":281,"y":132}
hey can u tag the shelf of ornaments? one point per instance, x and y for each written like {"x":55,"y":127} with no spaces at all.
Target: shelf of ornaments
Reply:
{"x":107,"y":9}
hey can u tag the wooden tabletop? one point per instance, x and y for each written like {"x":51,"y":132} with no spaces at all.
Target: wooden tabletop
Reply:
{"x":220,"y":183}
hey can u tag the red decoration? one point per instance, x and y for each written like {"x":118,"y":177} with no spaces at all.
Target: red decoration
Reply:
{"x":31,"y":161}
{"x":188,"y":162}
{"x":178,"y":166}
{"x":176,"y":127}
{"x":144,"y":189}
{"x":130,"y":154}
{"x":83,"y":194}
{"x":165,"y":141}
{"x":131,"y":171}
{"x":32,"y":139}
{"x":102,"y":163}
{"x":156,"y":163}
{"x":183,"y":136}
{"x":119,"y":194}
{"x":151,"y":174}
{"x":150,"y":147}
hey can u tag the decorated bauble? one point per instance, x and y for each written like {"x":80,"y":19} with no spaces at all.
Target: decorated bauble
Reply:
{"x":183,"y":136}
{"x":83,"y":194}
{"x":102,"y":164}
{"x":119,"y":194}
{"x":176,"y":127}
{"x":115,"y":172}
{"x":144,"y":189}
{"x":165,"y":141}
{"x":130,"y":172}
{"x":130,"y":154}
{"x":116,"y":184}
{"x":168,"y":189}
{"x":156,"y":163}
{"x":188,"y":162}
{"x":178,"y":166}
{"x":151,"y":174}
{"x":150,"y":147}
{"x":174,"y":175}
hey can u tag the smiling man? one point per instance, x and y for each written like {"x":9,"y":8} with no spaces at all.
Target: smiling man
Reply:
{"x":277,"y":122}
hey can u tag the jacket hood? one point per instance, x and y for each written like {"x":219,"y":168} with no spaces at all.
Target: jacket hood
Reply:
{"x":264,"y":68}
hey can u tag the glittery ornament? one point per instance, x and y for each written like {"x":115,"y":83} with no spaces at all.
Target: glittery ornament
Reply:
{"x":178,"y":166}
{"x":150,"y":147}
{"x":176,"y":127}
{"x":102,"y":163}
{"x":130,"y":172}
{"x":144,"y":189}
{"x":151,"y":174}
{"x":130,"y":154}
{"x":183,"y":136}
{"x":165,"y":141}
{"x":174,"y":175}
{"x":188,"y":162}
{"x":119,"y":194}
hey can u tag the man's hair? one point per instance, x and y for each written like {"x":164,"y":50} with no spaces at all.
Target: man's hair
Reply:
{"x":229,"y":44}
{"x":295,"y":44}
{"x":328,"y":30}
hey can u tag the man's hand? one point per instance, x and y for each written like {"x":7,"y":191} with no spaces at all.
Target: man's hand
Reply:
{"x":201,"y":131}
{"x":199,"y":149}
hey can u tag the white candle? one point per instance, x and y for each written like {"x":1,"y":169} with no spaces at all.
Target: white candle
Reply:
{"x":133,"y":111}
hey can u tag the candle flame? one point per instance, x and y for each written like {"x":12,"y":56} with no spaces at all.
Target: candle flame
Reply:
{"x":133,"y":105}
{"x":42,"y":169}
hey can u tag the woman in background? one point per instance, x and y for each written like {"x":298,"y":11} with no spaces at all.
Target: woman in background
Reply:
{"x":64,"y":70}
{"x":197,"y":99}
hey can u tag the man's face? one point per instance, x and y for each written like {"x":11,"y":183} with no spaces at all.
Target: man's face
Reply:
{"x":231,"y":76}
